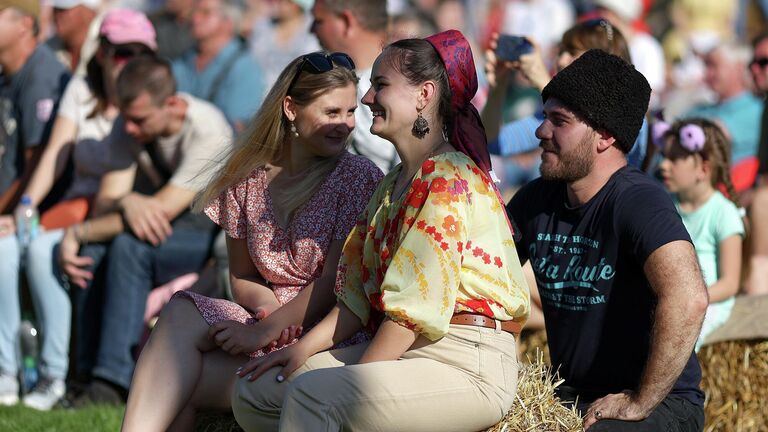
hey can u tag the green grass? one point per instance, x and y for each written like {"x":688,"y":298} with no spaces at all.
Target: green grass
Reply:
{"x":97,"y":418}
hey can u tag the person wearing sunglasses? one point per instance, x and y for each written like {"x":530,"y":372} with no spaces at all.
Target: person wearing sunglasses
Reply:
{"x":31,"y":84}
{"x":286,"y":197}
{"x":430,"y":269}
{"x":83,"y":122}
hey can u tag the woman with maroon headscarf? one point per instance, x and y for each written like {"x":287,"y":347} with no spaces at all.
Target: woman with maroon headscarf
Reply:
{"x":430,"y":269}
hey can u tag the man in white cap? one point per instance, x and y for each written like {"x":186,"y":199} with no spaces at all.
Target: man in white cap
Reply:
{"x":77,"y":31}
{"x":31,"y":84}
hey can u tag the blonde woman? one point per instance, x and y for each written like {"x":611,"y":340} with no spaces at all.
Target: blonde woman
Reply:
{"x":287,"y":198}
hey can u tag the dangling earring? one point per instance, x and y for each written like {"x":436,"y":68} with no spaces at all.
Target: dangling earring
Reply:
{"x":420,"y":127}
{"x":294,"y":131}
{"x":445,"y":133}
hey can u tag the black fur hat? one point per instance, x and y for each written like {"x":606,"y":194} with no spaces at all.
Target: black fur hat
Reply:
{"x":606,"y":91}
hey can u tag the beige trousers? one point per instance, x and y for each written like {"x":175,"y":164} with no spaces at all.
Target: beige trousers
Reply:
{"x":466,"y":381}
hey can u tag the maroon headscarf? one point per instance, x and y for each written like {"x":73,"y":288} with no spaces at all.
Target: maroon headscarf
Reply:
{"x":468,"y":134}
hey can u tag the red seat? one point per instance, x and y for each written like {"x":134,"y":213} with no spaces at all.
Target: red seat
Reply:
{"x":744,"y":173}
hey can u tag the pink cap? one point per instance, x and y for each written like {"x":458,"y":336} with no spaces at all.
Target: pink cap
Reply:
{"x":122,"y":26}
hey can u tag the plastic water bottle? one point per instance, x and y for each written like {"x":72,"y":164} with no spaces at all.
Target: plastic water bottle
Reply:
{"x":28,"y":337}
{"x":27,"y":221}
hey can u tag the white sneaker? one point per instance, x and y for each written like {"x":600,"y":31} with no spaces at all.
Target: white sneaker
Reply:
{"x":9,"y":389}
{"x":45,"y":394}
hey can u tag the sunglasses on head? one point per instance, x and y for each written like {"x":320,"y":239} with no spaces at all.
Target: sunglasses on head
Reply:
{"x":601,"y":22}
{"x":760,"y":61}
{"x":317,"y":63}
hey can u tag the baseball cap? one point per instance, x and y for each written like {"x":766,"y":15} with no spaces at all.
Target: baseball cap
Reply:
{"x":31,"y":7}
{"x":122,"y":26}
{"x":69,"y":4}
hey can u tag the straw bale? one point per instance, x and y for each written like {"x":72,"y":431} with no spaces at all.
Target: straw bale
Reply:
{"x":735,"y":380}
{"x":531,"y":343}
{"x":536,"y":408}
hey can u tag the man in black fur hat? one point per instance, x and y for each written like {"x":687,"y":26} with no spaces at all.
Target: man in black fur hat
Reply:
{"x":620,"y":286}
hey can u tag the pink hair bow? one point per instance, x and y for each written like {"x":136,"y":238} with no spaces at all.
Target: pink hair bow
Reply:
{"x":692,"y":136}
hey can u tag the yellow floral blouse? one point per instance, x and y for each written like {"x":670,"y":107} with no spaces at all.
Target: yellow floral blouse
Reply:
{"x":445,"y":247}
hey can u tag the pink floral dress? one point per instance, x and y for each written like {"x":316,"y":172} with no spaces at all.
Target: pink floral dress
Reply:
{"x":288,"y":259}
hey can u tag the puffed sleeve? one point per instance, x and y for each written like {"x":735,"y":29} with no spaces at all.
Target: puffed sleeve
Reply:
{"x":353,"y":277}
{"x":228,"y":209}
{"x":422,"y":280}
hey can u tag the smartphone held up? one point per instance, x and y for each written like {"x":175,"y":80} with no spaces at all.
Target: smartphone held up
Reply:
{"x":510,"y":48}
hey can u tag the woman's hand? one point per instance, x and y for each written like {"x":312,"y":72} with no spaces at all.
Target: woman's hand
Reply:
{"x":496,"y":72}
{"x":291,"y":358}
{"x":286,"y":336}
{"x":531,"y":65}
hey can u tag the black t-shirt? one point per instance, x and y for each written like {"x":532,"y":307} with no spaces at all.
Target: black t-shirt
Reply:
{"x":588,"y":262}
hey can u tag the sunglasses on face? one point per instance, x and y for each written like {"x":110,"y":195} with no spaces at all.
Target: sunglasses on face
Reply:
{"x":125,"y":53}
{"x":760,"y":61}
{"x":317,"y":63}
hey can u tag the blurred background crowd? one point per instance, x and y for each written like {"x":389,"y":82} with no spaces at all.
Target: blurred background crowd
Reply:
{"x":65,"y":100}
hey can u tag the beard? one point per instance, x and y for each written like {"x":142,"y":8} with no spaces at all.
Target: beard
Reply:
{"x":573,"y":165}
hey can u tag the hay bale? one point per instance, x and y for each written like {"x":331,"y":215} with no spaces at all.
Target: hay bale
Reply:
{"x":735,"y":380}
{"x":536,"y":408}
{"x":531,"y":343}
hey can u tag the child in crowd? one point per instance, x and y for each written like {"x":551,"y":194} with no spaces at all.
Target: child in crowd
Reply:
{"x":696,"y":163}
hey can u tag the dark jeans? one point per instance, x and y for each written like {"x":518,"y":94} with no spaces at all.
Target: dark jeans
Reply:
{"x":131,"y":268}
{"x":674,"y":413}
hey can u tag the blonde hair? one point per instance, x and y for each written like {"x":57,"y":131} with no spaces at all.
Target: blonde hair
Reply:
{"x":266,"y":136}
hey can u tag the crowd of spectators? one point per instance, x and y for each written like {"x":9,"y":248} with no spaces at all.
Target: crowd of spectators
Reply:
{"x":114,"y":114}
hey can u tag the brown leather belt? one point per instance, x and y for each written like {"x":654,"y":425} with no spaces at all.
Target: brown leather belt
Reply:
{"x":478,"y":320}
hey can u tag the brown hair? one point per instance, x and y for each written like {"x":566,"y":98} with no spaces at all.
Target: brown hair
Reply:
{"x":717,"y":151}
{"x":267,"y":134}
{"x":597,"y":33}
{"x":372,"y":14}
{"x":97,"y":82}
{"x":418,"y":61}
{"x":145,"y":73}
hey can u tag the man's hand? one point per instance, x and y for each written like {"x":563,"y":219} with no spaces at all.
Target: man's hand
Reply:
{"x":71,"y":263}
{"x":146,"y":218}
{"x":7,"y":226}
{"x":619,"y":406}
